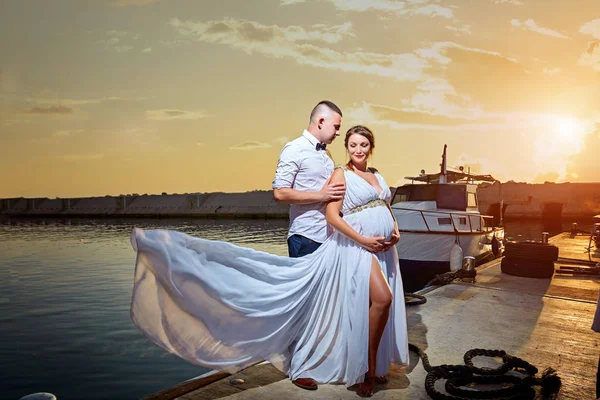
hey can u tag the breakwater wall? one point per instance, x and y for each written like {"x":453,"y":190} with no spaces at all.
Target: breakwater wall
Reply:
{"x":257,"y":204}
{"x":551,"y":201}
{"x":547,"y":201}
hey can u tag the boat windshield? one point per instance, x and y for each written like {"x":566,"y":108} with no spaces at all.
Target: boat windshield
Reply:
{"x":446,"y":196}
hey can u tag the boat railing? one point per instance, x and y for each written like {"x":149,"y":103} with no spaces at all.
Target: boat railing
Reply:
{"x":483,"y":227}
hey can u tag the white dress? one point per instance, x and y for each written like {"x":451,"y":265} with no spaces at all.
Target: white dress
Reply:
{"x":226,"y":307}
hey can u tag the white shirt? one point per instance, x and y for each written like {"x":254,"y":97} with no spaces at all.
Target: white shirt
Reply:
{"x":302,"y":167}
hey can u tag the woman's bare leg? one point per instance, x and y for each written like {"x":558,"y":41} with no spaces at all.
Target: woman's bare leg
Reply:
{"x":379,"y":310}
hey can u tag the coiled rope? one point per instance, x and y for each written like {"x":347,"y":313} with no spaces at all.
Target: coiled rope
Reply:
{"x":462,"y":379}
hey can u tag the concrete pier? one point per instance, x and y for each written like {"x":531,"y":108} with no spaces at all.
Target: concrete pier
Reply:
{"x":547,"y":322}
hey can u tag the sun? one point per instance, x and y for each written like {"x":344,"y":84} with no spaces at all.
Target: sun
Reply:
{"x":559,"y":137}
{"x":567,"y":130}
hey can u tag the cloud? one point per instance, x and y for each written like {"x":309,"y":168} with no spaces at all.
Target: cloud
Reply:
{"x":282,"y":140}
{"x":294,"y":42}
{"x":171,"y":114}
{"x":119,"y":41}
{"x":359,"y":5}
{"x":437,"y":69}
{"x":81,"y":157}
{"x":61,"y":110}
{"x":591,"y":56}
{"x":468,"y":75}
{"x":513,"y":2}
{"x":442,"y":52}
{"x":80,"y":102}
{"x":173,"y":43}
{"x":16,"y":121}
{"x":551,"y":71}
{"x":67,"y":133}
{"x":530,"y":25}
{"x":434,"y":10}
{"x":591,"y":28}
{"x":125,"y":3}
{"x":250,"y":146}
{"x":229,"y":30}
{"x":411,"y":118}
{"x":456,"y":74}
{"x":412,"y":7}
{"x":466,"y":29}
{"x":147,"y":50}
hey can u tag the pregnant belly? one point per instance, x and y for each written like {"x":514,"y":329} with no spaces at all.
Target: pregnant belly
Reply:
{"x":376,"y":221}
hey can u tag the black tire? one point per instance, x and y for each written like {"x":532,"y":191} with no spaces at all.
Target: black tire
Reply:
{"x":534,"y":251}
{"x":527,"y":268}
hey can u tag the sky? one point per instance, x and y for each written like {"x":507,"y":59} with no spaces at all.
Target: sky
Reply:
{"x":109,"y":97}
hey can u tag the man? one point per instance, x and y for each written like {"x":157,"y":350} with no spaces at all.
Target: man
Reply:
{"x":303,"y":170}
{"x":302,"y":180}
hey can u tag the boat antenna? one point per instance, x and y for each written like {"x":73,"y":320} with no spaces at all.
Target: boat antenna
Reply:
{"x":443,"y":171}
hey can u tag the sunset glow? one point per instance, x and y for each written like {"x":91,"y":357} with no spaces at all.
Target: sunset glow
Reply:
{"x":130,"y":96}
{"x":570,"y":131}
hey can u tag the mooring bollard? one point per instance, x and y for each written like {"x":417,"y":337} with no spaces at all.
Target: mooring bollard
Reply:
{"x":39,"y":396}
{"x":544,"y":237}
{"x":468,"y":266}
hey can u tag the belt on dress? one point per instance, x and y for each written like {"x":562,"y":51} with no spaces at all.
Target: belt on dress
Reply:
{"x":371,"y":204}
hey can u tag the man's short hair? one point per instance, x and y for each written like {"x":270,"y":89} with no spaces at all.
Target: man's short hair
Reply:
{"x":325,"y":103}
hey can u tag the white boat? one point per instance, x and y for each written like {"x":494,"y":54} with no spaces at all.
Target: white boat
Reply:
{"x":440,"y":224}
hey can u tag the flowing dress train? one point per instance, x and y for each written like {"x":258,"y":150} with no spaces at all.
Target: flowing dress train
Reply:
{"x":226,"y":307}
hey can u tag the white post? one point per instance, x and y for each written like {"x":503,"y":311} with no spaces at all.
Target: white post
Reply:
{"x":468,"y":266}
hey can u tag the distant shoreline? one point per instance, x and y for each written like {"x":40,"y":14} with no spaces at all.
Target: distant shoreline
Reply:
{"x":553,"y":201}
{"x":252,"y":205}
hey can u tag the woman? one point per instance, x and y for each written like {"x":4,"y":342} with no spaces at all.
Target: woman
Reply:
{"x":336,"y":315}
{"x":359,"y":143}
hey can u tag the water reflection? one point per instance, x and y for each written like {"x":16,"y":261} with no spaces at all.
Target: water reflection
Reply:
{"x":64,"y":303}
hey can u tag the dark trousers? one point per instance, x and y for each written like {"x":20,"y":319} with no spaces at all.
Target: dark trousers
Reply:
{"x":299,"y":246}
{"x":598,"y":381}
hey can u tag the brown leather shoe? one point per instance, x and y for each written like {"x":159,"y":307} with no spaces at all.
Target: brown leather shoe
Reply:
{"x":306,"y":383}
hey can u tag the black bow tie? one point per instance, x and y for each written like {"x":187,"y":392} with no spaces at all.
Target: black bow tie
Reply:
{"x":321,"y":146}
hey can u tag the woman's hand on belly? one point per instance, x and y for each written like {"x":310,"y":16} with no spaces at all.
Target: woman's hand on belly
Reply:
{"x":373,"y":244}
{"x":395,"y":238}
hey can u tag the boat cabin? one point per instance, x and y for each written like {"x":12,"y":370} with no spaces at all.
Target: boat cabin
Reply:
{"x":458,"y":197}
